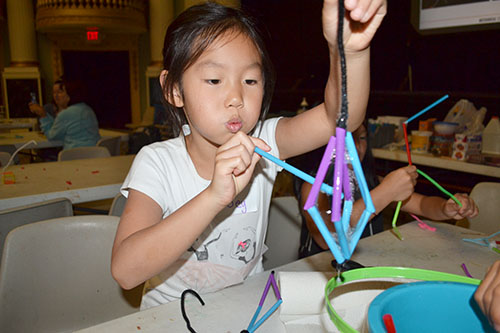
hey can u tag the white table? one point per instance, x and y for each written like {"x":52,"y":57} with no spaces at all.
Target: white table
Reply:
{"x":437,"y":162}
{"x":78,"y":180}
{"x":231,"y":309}
{"x":19,"y":139}
{"x":6,"y":125}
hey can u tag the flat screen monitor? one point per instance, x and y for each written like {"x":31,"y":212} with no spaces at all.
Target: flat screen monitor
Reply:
{"x":441,"y":16}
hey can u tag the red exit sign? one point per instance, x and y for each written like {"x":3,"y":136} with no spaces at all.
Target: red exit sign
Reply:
{"x":92,"y":35}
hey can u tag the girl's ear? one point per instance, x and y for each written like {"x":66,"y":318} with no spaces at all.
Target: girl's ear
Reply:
{"x":177,"y":98}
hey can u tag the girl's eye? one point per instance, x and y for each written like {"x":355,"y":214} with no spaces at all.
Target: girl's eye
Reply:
{"x":213,"y":81}
{"x":251,"y":82}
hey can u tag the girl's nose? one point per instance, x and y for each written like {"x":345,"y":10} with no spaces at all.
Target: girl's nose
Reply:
{"x":234,"y":98}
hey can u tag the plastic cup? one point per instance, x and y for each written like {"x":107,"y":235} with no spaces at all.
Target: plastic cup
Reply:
{"x":420,"y":141}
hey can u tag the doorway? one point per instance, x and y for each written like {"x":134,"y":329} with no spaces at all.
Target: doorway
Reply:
{"x":106,"y":75}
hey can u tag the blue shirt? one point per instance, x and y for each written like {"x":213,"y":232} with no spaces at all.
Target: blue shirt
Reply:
{"x":76,"y":126}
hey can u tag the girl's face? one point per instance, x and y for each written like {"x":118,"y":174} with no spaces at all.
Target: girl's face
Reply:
{"x":60,"y":95}
{"x":360,"y":141}
{"x":223,"y":89}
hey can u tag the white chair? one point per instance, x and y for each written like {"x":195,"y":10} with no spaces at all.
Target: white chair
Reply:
{"x":18,"y":216}
{"x":55,"y":276}
{"x":9,"y":149}
{"x":113,"y":144}
{"x":117,"y":205}
{"x":4,"y":158}
{"x":486,"y":195}
{"x":283,"y":232}
{"x":82,"y":153}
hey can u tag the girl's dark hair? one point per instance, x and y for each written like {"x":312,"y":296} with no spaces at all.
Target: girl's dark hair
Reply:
{"x":190,"y":34}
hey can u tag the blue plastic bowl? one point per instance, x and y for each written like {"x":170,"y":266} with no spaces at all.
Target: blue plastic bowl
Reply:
{"x":430,"y":306}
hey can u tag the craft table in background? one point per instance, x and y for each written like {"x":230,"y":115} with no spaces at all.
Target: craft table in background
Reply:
{"x":78,"y":180}
{"x":18,"y":139}
{"x":437,"y":162}
{"x":231,"y":309}
{"x":26,"y":124}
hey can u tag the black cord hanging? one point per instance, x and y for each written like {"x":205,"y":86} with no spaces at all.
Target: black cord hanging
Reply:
{"x":183,"y":311}
{"x":342,"y":121}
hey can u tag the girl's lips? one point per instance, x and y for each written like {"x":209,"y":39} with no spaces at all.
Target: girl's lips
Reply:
{"x":234,"y":125}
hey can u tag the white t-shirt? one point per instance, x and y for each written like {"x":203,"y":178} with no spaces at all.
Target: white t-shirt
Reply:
{"x":231,"y":247}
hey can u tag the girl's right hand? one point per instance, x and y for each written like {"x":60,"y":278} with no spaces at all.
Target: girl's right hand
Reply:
{"x":235,"y":162}
{"x":400,"y":184}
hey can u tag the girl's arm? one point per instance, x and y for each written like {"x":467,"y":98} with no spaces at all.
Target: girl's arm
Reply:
{"x":143,"y":247}
{"x":146,"y":244}
{"x":311,"y":129}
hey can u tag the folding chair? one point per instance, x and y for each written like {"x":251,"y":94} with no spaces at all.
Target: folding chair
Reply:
{"x":55,"y":276}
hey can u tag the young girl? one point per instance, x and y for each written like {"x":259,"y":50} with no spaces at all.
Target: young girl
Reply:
{"x":398,"y":185}
{"x":196,"y":214}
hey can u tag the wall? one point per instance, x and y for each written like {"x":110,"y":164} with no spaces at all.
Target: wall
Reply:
{"x":465,"y":65}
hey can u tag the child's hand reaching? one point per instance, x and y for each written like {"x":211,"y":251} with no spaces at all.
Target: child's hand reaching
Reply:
{"x":487,"y":295}
{"x":363,"y":17}
{"x":454,"y":211}
{"x":235,"y":162}
{"x":399,"y":184}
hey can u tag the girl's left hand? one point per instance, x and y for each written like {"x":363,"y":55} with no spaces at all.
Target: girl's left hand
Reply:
{"x":454,"y":211}
{"x":362,"y":19}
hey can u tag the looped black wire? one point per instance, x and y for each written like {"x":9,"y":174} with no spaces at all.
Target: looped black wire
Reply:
{"x":342,"y":121}
{"x":183,"y":311}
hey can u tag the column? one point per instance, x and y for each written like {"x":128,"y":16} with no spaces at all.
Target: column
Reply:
{"x":23,"y":74}
{"x":161,"y":13}
{"x":22,"y":38}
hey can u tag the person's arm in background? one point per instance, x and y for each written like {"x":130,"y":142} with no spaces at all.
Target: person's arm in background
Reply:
{"x":52,"y":129}
{"x":37,"y":109}
{"x":398,"y":185}
{"x":55,"y":129}
{"x":487,"y":295}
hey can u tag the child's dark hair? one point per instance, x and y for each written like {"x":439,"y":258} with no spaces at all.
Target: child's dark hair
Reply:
{"x":190,"y":34}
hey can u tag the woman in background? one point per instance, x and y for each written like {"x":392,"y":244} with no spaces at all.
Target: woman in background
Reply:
{"x":75,"y":123}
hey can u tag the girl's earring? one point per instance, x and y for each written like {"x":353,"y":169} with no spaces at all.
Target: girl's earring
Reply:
{"x":186,"y":130}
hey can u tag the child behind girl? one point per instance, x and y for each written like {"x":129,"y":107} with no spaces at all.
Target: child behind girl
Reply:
{"x":196,"y":214}
{"x":398,"y":185}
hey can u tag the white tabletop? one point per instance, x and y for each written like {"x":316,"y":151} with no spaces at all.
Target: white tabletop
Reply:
{"x":20,"y":138}
{"x":231,"y":309}
{"x":15,"y":123}
{"x":441,"y":162}
{"x":78,"y":180}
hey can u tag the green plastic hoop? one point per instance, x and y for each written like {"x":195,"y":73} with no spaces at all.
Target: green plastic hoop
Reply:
{"x":384,"y":272}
